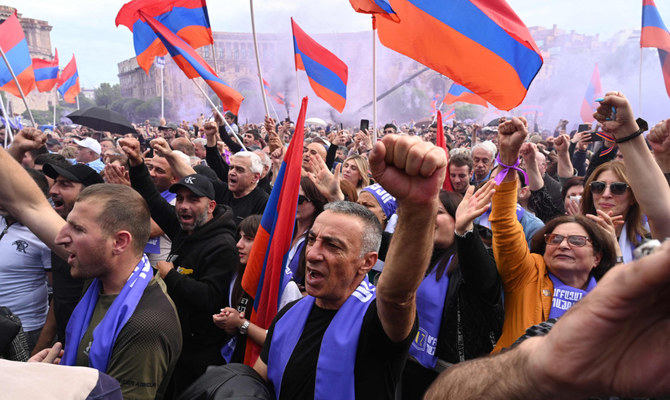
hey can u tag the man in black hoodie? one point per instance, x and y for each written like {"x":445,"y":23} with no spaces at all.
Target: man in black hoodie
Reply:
{"x":201,"y":263}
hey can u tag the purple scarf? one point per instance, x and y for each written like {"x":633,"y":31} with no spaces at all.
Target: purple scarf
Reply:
{"x":104,"y":335}
{"x":429,"y":305}
{"x":337,"y":358}
{"x":566,"y":296}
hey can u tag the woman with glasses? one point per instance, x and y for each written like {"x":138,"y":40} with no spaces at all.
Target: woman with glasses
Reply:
{"x":565,"y":258}
{"x":607,"y":190}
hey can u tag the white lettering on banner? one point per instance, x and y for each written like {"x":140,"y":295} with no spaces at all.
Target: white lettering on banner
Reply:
{"x":287,"y":271}
{"x":565,"y":299}
{"x":364,"y":292}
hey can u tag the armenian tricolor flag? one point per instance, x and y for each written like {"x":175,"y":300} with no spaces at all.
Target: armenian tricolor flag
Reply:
{"x":68,"y":84}
{"x":375,"y":7}
{"x":593,"y":91}
{"x":327,"y":74}
{"x":655,"y":34}
{"x":265,"y":268}
{"x":46,"y":73}
{"x":461,"y":93}
{"x":14,"y":45}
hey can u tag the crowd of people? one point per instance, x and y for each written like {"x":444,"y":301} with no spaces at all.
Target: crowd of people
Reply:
{"x":409,"y":263}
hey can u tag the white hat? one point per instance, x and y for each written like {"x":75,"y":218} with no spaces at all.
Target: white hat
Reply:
{"x":90,"y":144}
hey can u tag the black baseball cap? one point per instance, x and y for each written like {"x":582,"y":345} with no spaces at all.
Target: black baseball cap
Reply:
{"x":80,"y":173}
{"x":200,"y":185}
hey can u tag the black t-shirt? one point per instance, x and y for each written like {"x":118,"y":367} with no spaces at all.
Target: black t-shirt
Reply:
{"x":67,"y":292}
{"x":253,"y":203}
{"x":379,"y":362}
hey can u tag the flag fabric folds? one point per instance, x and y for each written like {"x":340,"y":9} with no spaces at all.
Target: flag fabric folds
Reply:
{"x":14,"y":45}
{"x":187,"y":18}
{"x":481,"y":44}
{"x":593,"y":91}
{"x":375,"y":7}
{"x":46,"y":73}
{"x":68,"y":83}
{"x":655,"y":34}
{"x":441,"y":142}
{"x":264,"y":272}
{"x":195,"y":66}
{"x":461,"y":93}
{"x":327,"y":74}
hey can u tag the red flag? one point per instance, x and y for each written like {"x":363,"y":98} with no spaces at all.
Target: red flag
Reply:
{"x":68,"y":84}
{"x":442,"y":142}
{"x":14,"y":45}
{"x":265,"y":268}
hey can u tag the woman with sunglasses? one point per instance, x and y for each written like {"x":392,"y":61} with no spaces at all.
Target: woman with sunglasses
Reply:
{"x":565,"y":260}
{"x":607,"y":190}
{"x":459,"y":302}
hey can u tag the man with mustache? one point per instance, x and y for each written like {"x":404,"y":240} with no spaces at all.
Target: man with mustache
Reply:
{"x":201,"y":263}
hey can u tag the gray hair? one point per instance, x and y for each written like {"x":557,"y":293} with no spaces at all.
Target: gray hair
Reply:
{"x":372,"y":229}
{"x":265,"y":158}
{"x":256,"y":163}
{"x":186,"y":159}
{"x":201,"y":141}
{"x":488,"y":146}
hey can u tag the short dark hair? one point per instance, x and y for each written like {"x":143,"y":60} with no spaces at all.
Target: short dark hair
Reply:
{"x":121,"y":208}
{"x":39,"y":179}
{"x":395,"y":129}
{"x":574,"y":181}
{"x":460,"y":160}
{"x":599,"y":239}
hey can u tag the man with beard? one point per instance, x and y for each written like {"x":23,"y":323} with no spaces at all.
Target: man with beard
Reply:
{"x":201,"y":263}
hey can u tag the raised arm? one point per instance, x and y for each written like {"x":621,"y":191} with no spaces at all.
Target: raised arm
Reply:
{"x":412,"y":171}
{"x":21,"y":197}
{"x":565,"y":168}
{"x":645,"y":176}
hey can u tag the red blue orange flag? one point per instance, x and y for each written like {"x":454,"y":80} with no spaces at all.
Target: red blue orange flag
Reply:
{"x":265,"y":269}
{"x":195,"y":66}
{"x":46,"y":73}
{"x":481,"y":44}
{"x":375,"y":7}
{"x":266,"y":86}
{"x":441,"y":142}
{"x":327,"y":74}
{"x":593,"y":91}
{"x":655,"y":34}
{"x":187,"y":18}
{"x":14,"y":45}
{"x":68,"y":83}
{"x":461,"y":93}
{"x":450,"y":114}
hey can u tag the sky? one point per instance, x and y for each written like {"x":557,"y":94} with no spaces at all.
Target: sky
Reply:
{"x":86,"y":28}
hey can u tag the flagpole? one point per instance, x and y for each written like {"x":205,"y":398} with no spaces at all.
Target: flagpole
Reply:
{"x":162,"y":94}
{"x":77,"y":97}
{"x":274,"y":111}
{"x":219,"y":113}
{"x":639,"y":101}
{"x":55,"y":106}
{"x":374,"y":80}
{"x":8,"y":129}
{"x":216,"y":66}
{"x":297,"y":82}
{"x":258,"y":58}
{"x":23,"y":96}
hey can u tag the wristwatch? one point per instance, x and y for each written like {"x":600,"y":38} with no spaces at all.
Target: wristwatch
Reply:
{"x":244,"y":327}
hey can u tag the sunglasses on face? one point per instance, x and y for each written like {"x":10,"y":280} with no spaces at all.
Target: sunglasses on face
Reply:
{"x":573,"y":240}
{"x":616,"y":188}
{"x":302,"y":199}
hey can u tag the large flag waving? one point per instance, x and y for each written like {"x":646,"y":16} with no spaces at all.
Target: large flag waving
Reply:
{"x":375,"y":7}
{"x":655,"y":34}
{"x":264,"y":272}
{"x":46,"y":73}
{"x":481,"y":44}
{"x":187,"y":18}
{"x":68,"y":84}
{"x":14,"y":45}
{"x":593,"y":91}
{"x":461,"y":93}
{"x":327,"y":74}
{"x":195,"y":66}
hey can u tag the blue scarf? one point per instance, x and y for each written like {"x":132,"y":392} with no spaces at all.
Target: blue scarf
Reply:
{"x":337,"y":356}
{"x":104,"y":335}
{"x":566,"y":296}
{"x":429,"y":304}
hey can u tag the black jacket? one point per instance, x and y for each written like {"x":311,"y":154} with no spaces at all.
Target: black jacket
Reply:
{"x":207,"y":259}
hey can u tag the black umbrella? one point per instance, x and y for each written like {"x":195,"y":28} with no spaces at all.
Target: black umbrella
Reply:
{"x":102,"y":119}
{"x":494,"y":122}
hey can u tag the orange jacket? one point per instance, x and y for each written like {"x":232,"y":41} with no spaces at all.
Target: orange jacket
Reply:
{"x":528,"y":289}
